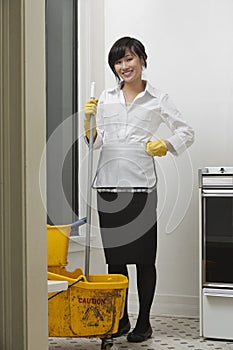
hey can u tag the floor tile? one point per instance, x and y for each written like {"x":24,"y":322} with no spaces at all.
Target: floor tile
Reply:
{"x":168,"y":333}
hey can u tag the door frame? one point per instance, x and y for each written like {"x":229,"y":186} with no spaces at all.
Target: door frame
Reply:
{"x":23,"y":281}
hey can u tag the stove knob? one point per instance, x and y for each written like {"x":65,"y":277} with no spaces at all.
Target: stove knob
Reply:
{"x":222,"y":170}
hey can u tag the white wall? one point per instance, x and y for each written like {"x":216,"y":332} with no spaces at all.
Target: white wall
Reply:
{"x":189,"y":44}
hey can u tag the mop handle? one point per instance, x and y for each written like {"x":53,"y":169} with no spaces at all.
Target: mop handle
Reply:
{"x":89,"y":191}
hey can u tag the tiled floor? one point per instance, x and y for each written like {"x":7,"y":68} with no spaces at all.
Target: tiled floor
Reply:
{"x":168,"y":333}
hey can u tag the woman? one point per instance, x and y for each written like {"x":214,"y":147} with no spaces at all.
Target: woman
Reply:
{"x":127,"y":119}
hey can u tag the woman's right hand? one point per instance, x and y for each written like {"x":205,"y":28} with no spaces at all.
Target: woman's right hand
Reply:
{"x":90,"y":108}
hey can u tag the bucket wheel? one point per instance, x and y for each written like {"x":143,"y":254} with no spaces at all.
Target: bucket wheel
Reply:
{"x":106,"y":344}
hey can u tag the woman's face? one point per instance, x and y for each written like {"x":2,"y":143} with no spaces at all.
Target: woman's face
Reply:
{"x":129,"y":67}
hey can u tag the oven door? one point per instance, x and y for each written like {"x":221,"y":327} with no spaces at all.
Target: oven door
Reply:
{"x":217,"y":212}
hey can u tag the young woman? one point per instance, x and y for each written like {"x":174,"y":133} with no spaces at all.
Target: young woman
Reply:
{"x":127,"y":119}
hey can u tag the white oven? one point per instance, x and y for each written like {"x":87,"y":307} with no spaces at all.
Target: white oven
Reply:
{"x":216,"y":252}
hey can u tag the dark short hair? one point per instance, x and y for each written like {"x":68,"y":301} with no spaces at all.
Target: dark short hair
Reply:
{"x":118,"y":49}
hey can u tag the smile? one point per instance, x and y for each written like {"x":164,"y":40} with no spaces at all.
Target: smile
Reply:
{"x":127,"y":73}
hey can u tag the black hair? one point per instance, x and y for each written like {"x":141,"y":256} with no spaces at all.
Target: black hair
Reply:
{"x":118,"y":49}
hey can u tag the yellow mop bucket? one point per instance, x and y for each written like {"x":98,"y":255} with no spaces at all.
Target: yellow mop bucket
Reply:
{"x":58,"y":243}
{"x":90,"y":308}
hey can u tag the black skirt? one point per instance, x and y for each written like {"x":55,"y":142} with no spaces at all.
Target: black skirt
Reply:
{"x":128,"y":226}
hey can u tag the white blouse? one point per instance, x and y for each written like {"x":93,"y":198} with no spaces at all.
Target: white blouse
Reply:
{"x":121,"y":127}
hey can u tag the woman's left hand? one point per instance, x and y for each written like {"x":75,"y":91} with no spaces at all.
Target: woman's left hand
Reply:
{"x":156,"y":148}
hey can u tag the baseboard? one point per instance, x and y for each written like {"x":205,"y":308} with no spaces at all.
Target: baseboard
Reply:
{"x":169,"y":305}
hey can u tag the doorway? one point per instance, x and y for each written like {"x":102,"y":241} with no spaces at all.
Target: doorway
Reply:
{"x":61,"y":110}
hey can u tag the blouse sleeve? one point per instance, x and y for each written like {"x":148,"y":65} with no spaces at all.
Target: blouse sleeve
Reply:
{"x":183,"y":134}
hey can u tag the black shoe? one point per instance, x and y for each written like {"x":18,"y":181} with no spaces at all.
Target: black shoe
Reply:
{"x":134,"y":337}
{"x":122,"y":330}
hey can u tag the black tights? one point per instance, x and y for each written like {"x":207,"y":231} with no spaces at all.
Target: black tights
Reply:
{"x":146,"y":281}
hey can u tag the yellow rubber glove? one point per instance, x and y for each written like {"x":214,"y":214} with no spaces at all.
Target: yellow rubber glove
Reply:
{"x":156,"y":148}
{"x":90,"y":108}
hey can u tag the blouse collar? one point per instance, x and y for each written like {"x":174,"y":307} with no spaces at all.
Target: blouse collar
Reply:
{"x":148,"y":89}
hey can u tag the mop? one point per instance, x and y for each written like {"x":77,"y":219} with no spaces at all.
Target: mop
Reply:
{"x":89,"y":189}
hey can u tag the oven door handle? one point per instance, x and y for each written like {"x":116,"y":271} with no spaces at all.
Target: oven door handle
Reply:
{"x":221,"y":295}
{"x":217,"y":193}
